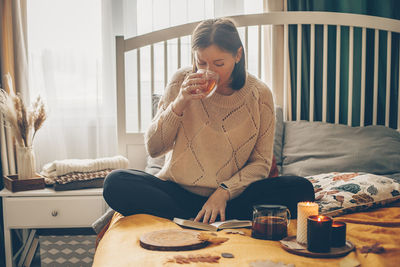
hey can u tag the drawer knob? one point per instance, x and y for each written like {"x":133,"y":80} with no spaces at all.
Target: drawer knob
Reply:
{"x":54,"y":213}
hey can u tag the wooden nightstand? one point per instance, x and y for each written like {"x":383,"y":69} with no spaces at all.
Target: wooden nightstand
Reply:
{"x":47,"y":208}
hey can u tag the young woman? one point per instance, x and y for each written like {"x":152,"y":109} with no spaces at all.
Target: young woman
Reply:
{"x":218,"y":148}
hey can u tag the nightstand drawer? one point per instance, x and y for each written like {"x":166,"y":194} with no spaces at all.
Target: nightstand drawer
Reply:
{"x":53,"y":212}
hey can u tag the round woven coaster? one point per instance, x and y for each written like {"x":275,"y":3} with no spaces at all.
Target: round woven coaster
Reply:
{"x":172,"y":240}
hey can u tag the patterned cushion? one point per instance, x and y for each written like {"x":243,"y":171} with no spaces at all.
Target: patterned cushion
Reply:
{"x":341,"y":193}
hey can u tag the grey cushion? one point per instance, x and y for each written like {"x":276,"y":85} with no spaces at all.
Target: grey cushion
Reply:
{"x":278,"y":138}
{"x":154,"y":165}
{"x":312,"y":148}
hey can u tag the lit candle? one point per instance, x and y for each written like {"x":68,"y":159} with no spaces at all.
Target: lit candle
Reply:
{"x":304,"y":210}
{"x":338,"y":234}
{"x":319,"y":233}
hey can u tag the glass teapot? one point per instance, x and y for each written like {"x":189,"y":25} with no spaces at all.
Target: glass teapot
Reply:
{"x":270,"y":222}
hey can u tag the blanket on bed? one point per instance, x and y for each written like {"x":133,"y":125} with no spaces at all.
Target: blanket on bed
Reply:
{"x":120,"y":244}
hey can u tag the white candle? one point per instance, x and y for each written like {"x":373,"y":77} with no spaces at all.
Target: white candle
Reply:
{"x":304,"y":209}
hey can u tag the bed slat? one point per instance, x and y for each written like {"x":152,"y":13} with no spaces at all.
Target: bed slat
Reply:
{"x":246,"y":44}
{"x":398,"y":94}
{"x":165,"y":63}
{"x":337,"y":78}
{"x":259,"y":51}
{"x":286,"y":113}
{"x":179,"y":53}
{"x":376,"y":63}
{"x":362,"y":101}
{"x":298,"y":103}
{"x":325,"y":73}
{"x":312,"y":69}
{"x":152,"y":69}
{"x":350,"y":85}
{"x":388,"y":67}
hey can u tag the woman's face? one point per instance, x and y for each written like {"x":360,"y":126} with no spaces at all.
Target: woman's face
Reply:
{"x":219,"y":61}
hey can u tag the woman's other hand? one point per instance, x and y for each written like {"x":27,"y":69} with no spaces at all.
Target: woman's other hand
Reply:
{"x":192,"y":88}
{"x":214,"y":206}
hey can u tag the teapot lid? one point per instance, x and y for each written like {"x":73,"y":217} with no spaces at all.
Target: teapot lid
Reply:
{"x":267,"y":206}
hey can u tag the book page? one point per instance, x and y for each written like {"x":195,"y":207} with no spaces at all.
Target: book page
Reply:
{"x":232,"y":224}
{"x":213,"y":226}
{"x":193,"y":224}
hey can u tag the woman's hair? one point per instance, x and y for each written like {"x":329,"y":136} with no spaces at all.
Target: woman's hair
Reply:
{"x":221,"y":32}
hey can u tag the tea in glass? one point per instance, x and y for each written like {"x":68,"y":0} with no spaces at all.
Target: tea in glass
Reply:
{"x":212,"y":79}
{"x":270,"y":222}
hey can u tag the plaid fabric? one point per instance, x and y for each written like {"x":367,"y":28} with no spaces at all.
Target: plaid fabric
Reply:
{"x":77,"y":176}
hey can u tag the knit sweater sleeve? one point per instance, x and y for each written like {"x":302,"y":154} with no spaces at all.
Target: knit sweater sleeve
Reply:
{"x":260,"y":161}
{"x":161,"y":134}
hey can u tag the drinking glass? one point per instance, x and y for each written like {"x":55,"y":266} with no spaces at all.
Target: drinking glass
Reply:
{"x":212,"y":79}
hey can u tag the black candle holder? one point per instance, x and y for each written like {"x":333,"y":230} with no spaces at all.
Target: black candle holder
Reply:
{"x":319,"y":230}
{"x":338,"y":235}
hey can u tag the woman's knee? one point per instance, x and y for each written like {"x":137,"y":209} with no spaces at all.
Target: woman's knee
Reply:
{"x":113,"y":178}
{"x":113,"y":183}
{"x":304,"y":187}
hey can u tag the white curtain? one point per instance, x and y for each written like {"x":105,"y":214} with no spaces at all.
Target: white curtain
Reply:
{"x":70,"y":58}
{"x":13,"y":58}
{"x":72,"y":64}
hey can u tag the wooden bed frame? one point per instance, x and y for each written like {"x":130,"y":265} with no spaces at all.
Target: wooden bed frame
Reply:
{"x":131,"y":143}
{"x":120,"y":245}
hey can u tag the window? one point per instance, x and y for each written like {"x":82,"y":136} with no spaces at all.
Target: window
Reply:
{"x":71,"y":70}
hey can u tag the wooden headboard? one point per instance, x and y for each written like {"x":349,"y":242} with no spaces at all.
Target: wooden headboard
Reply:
{"x":313,"y":102}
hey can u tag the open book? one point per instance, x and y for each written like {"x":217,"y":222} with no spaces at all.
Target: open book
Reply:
{"x":213,"y":226}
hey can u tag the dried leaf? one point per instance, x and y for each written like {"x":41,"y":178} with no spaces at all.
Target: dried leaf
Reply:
{"x":194,"y":258}
{"x":375,"y":248}
{"x":268,"y":263}
{"x":212,"y":238}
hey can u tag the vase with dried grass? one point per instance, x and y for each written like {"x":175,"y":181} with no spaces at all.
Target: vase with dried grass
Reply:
{"x":24,"y":123}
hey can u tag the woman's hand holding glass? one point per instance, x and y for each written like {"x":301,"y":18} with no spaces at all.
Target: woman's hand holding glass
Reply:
{"x":196,"y":86}
{"x":190,"y":86}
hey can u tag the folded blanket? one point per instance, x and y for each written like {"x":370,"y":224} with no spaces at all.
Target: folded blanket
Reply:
{"x":76,"y":176}
{"x":62,"y":167}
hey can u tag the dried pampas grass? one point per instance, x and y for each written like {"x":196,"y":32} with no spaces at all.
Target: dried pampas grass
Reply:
{"x":24,"y":123}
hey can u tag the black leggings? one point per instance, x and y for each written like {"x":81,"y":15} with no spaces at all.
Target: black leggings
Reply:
{"x":133,"y":192}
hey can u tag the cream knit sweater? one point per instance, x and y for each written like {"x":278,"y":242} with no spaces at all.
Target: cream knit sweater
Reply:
{"x":220,"y":139}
